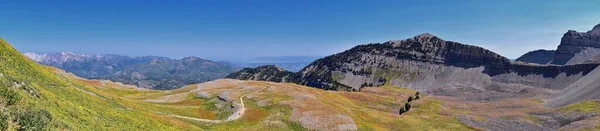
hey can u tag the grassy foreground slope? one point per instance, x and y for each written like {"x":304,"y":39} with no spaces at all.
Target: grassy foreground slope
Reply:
{"x":286,"y":106}
{"x":35,"y":97}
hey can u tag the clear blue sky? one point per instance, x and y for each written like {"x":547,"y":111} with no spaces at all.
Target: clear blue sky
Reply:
{"x":228,"y":30}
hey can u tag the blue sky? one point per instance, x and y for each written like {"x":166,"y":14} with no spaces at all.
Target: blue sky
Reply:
{"x":234,"y":30}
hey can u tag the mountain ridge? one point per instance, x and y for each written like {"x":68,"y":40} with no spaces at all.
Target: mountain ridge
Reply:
{"x":151,"y":72}
{"x":428,"y":63}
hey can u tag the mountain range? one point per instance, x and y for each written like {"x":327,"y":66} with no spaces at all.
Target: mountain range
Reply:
{"x":38,"y":97}
{"x":429,"y":64}
{"x":150,"y":72}
{"x":449,"y":86}
{"x":574,"y":48}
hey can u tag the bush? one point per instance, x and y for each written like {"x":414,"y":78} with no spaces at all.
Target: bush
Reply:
{"x":417,"y":94}
{"x":9,"y":96}
{"x":417,"y":97}
{"x":401,"y":111}
{"x":407,"y":106}
{"x":411,"y":98}
{"x":4,"y":117}
{"x":33,"y":119}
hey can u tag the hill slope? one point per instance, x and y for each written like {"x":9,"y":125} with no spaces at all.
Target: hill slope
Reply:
{"x":47,"y":100}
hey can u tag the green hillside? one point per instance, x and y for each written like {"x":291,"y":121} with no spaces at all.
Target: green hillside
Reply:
{"x":34,"y":98}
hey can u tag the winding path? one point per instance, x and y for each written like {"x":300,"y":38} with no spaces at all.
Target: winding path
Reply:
{"x":236,"y":115}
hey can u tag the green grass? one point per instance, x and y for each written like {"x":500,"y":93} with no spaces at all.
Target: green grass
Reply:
{"x":67,"y":103}
{"x":586,"y":106}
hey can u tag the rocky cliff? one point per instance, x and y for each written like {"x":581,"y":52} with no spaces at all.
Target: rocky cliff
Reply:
{"x":426,"y":62}
{"x":577,"y":47}
{"x":537,"y":56}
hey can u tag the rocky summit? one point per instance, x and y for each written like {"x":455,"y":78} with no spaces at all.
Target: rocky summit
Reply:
{"x":456,"y":72}
{"x":578,"y":47}
{"x":427,"y":63}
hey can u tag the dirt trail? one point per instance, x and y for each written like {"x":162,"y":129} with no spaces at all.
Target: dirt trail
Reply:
{"x":236,"y":115}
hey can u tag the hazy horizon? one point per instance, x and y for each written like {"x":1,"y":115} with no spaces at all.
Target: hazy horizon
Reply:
{"x":218,"y":30}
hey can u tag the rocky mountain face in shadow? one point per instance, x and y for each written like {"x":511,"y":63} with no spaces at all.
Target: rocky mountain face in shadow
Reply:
{"x":150,"y":72}
{"x":537,"y":56}
{"x":427,"y":62}
{"x":574,"y":48}
{"x":444,"y":68}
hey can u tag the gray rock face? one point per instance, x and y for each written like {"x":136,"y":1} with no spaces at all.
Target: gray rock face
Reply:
{"x":595,"y":30}
{"x":426,"y":62}
{"x":420,"y":59}
{"x":586,"y":88}
{"x":537,"y":56}
{"x":577,"y":47}
{"x":594,"y":60}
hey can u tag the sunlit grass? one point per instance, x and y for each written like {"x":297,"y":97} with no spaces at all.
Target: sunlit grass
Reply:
{"x":586,"y":106}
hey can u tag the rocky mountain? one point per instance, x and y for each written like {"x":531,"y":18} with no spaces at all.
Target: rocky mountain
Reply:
{"x":578,"y":47}
{"x":428,"y":63}
{"x":537,"y":56}
{"x":147,"y":72}
{"x":574,"y":48}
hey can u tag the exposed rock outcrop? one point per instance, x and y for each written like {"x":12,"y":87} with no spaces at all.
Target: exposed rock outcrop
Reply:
{"x":595,"y":60}
{"x":577,"y":47}
{"x":426,"y":62}
{"x":586,"y":88}
{"x":537,"y":56}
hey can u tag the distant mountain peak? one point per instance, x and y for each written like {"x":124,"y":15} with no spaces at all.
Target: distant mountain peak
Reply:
{"x":422,"y":39}
{"x":191,"y":58}
{"x":58,"y":57}
{"x":274,"y":67}
{"x":425,"y":35}
{"x":595,"y":30}
{"x":33,"y":56}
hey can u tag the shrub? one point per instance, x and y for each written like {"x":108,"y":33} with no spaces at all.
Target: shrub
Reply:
{"x":407,"y":106}
{"x":33,"y":119}
{"x":417,"y":94}
{"x":401,"y":111}
{"x":9,"y":96}
{"x":4,"y":117}
{"x":417,"y":97}
{"x":410,"y":98}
